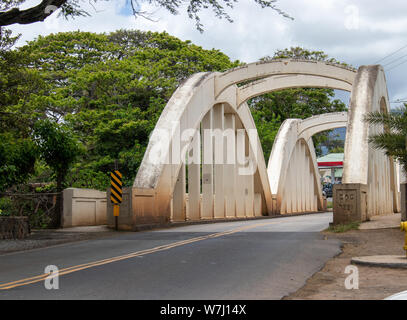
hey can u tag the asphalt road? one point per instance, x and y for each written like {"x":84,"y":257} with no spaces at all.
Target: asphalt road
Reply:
{"x":256,"y":259}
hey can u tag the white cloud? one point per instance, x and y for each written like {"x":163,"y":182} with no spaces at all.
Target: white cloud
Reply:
{"x":256,"y":32}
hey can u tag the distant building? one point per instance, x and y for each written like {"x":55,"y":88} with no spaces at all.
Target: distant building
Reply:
{"x":331,"y":165}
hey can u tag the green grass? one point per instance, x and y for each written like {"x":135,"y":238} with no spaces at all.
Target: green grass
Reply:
{"x":344,"y":227}
{"x":329,"y":204}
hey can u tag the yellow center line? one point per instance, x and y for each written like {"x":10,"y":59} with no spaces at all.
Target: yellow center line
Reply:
{"x":88,"y":265}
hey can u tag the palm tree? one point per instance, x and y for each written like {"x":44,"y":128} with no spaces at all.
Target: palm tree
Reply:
{"x":393,"y":140}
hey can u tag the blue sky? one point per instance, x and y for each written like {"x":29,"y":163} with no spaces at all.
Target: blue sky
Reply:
{"x":125,"y":9}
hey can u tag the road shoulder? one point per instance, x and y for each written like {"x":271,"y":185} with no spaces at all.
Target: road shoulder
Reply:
{"x":374,"y":282}
{"x":53,"y":237}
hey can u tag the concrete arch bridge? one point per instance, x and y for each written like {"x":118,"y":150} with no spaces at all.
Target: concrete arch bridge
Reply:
{"x":204,"y":159}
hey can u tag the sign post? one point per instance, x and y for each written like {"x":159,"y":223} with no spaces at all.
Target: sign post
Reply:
{"x":116,"y":194}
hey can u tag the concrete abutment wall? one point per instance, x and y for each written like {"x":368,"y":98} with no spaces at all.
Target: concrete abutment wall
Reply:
{"x":84,"y":207}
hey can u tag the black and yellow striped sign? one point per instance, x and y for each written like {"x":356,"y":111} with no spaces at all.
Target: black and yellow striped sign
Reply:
{"x":116,"y":192}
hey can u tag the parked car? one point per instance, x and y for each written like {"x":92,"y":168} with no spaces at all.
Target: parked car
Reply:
{"x":327,"y":190}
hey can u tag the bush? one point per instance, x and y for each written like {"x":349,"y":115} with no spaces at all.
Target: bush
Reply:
{"x":38,"y":210}
{"x":6,"y":207}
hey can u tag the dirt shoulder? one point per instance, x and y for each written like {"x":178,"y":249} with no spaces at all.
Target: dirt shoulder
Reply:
{"x":374,"y":282}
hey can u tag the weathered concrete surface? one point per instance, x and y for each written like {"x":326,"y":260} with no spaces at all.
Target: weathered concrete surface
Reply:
{"x":293,"y":169}
{"x":382,"y":222}
{"x":362,"y":163}
{"x":273,"y":83}
{"x":84,"y":207}
{"x":322,"y":122}
{"x":156,"y":181}
{"x":264,"y":69}
{"x":349,"y":203}
{"x":14,"y":227}
{"x":160,"y":188}
{"x":293,"y":172}
{"x":386,"y":261}
{"x":125,"y":219}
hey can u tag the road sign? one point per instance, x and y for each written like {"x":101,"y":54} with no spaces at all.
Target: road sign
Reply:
{"x":116,"y":192}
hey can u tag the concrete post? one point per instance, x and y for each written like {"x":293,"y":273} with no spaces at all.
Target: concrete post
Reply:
{"x":194,"y":179}
{"x":257,"y":205}
{"x":349,"y":202}
{"x":249,"y":204}
{"x":207,"y":166}
{"x":218,"y":125}
{"x":240,"y":179}
{"x":178,"y":198}
{"x":297,"y":186}
{"x":303,"y":174}
{"x":229,"y":168}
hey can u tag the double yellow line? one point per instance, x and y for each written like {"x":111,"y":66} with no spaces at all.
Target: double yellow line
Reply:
{"x":42,"y":277}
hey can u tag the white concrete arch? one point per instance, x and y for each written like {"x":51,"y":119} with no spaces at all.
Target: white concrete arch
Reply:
{"x":264,"y":69}
{"x":156,"y":181}
{"x":275,"y":83}
{"x":293,"y":169}
{"x":322,"y":122}
{"x":292,"y":166}
{"x":213,"y":101}
{"x":363,"y":164}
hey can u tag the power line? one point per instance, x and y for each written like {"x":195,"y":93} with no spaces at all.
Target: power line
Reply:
{"x":391,"y":54}
{"x":397,"y":65}
{"x":395,"y":60}
{"x":399,"y":100}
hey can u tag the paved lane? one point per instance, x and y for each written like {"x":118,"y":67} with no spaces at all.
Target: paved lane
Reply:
{"x":257,"y":259}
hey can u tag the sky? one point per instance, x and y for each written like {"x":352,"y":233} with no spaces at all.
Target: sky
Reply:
{"x":358,"y":32}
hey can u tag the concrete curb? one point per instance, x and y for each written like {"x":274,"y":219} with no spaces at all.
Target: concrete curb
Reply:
{"x":384,"y":261}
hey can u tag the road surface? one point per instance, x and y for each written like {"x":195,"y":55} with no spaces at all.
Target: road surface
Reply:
{"x":256,"y":259}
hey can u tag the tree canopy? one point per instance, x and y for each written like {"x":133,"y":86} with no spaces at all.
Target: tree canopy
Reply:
{"x":108,"y":89}
{"x":393,"y":140}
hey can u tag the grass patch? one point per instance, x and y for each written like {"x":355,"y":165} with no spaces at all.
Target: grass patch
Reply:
{"x":329,"y":204}
{"x":344,"y":227}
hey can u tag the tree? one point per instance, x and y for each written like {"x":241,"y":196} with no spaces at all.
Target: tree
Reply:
{"x":10,"y":14}
{"x":57,"y":147}
{"x":329,"y":140}
{"x":271,"y":109}
{"x":109,"y":89}
{"x":17,"y":151}
{"x":17,"y":159}
{"x":393,"y":138}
